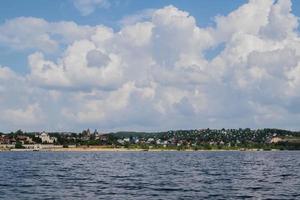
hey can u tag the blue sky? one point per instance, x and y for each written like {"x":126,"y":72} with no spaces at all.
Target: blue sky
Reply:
{"x":58,"y":10}
{"x":149,"y":65}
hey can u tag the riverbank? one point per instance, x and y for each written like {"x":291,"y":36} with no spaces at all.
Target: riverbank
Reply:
{"x":100,"y":149}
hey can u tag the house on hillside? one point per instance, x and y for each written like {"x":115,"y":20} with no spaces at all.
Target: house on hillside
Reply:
{"x":24,"y":139}
{"x":2,"y":140}
{"x":276,"y":140}
{"x":103,"y":139}
{"x":45,"y":138}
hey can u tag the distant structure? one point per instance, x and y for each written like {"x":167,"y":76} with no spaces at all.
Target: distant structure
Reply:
{"x":45,"y":138}
{"x":24,"y":139}
{"x":86,"y":135}
{"x":276,"y":139}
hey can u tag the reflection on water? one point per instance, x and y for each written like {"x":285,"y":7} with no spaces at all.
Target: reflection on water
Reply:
{"x":150,"y":175}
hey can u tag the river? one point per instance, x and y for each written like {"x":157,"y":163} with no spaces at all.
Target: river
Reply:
{"x":150,"y":175}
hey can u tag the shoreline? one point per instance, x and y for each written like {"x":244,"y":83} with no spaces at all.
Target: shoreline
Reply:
{"x":95,"y":149}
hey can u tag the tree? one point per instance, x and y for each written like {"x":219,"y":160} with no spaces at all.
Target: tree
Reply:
{"x":36,"y":140}
{"x":19,"y":132}
{"x":19,"y":145}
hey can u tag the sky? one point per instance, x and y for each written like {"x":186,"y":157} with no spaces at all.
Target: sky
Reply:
{"x":68,"y":65}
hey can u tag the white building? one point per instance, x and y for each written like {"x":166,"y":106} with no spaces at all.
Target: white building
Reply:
{"x":150,"y":140}
{"x":276,"y":140}
{"x":46,"y":138}
{"x":120,"y":141}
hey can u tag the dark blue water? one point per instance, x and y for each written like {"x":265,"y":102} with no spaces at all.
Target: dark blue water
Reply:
{"x":150,"y":175}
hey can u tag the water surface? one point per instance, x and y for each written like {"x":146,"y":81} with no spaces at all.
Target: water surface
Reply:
{"x":150,"y":175}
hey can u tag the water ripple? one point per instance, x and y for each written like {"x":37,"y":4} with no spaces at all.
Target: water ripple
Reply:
{"x":150,"y":175}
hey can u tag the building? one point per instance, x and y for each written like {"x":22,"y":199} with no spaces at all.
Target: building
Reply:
{"x":4,"y":139}
{"x":120,"y":141}
{"x":150,"y":141}
{"x":46,"y":138}
{"x":276,"y":139}
{"x":86,"y":135}
{"x":24,"y":139}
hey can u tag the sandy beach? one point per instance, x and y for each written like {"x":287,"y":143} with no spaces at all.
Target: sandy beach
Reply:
{"x":103,"y":149}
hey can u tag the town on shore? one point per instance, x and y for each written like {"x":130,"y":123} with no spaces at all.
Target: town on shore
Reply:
{"x":198,"y":139}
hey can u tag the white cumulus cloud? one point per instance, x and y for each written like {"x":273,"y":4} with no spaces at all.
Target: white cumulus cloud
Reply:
{"x":153,"y":74}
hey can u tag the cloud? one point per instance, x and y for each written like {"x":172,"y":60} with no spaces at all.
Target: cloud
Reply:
{"x":6,"y":74}
{"x":138,"y":17}
{"x":34,"y":33}
{"x":82,"y":67}
{"x":281,"y":21}
{"x":241,"y":20}
{"x":87,"y":7}
{"x":18,"y":117}
{"x":18,"y":107}
{"x":152,"y":74}
{"x":96,"y":58}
